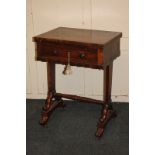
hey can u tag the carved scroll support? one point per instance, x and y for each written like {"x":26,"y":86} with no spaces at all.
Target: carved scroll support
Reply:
{"x":107,"y":111}
{"x":50,"y":105}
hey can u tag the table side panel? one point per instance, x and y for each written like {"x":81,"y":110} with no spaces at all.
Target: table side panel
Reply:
{"x":111,"y":51}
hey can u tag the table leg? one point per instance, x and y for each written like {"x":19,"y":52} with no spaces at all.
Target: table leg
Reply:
{"x":49,"y":105}
{"x":107,"y":111}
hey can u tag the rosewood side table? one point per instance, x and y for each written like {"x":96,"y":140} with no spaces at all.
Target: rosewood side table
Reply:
{"x":88,"y":48}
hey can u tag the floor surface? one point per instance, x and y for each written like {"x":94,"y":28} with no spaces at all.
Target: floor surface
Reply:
{"x":71,"y":131}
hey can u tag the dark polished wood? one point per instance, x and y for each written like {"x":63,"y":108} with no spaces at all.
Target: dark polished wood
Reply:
{"x":107,"y":110}
{"x":79,"y":36}
{"x":88,"y":48}
{"x":47,"y":112}
{"x":98,"y":47}
{"x":49,"y":105}
{"x":79,"y":98}
{"x":51,"y":76}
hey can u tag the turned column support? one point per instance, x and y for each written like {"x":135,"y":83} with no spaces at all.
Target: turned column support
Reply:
{"x":50,"y":104}
{"x":107,"y":111}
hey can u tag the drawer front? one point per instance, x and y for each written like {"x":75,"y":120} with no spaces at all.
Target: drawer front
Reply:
{"x":59,"y":53}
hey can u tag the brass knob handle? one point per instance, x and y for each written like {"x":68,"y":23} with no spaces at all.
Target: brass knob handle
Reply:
{"x":82,"y":55}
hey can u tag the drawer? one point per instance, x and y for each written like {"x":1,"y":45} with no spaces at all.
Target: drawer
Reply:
{"x":59,"y":53}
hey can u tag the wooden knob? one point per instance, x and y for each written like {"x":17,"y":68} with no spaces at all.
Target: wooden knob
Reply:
{"x":82,"y":55}
{"x":55,"y":52}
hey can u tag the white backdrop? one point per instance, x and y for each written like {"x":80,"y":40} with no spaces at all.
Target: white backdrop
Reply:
{"x":43,"y":16}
